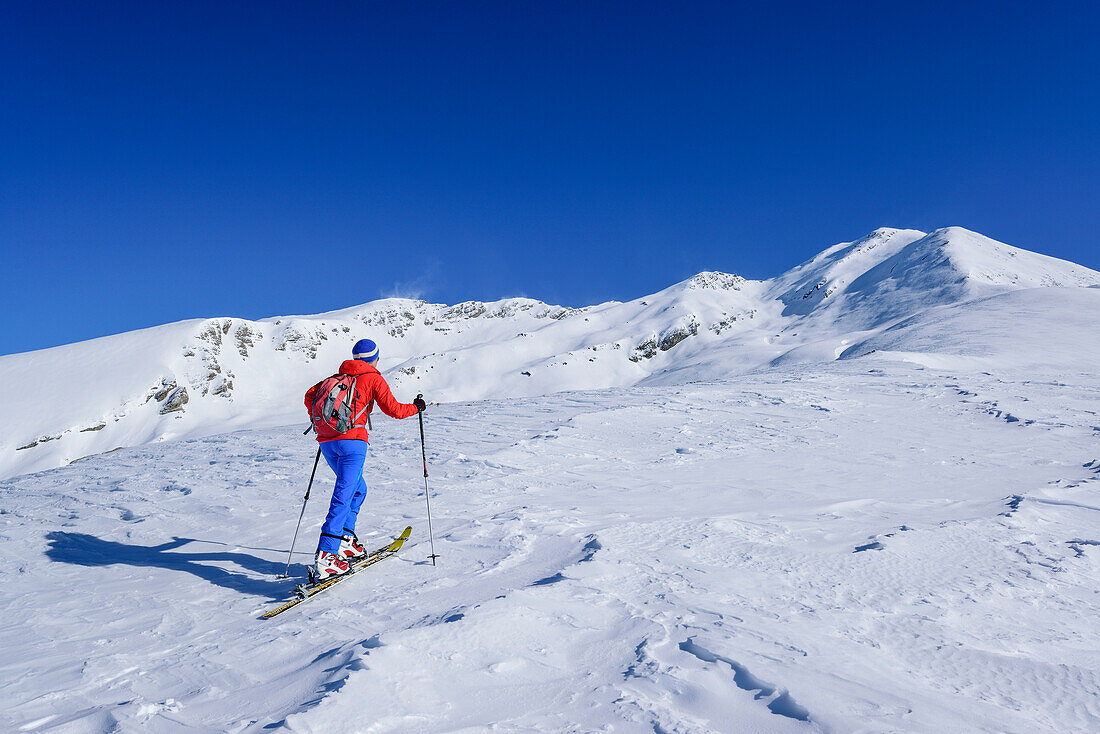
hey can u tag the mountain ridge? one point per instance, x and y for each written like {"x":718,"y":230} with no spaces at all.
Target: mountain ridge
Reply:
{"x":202,"y":376}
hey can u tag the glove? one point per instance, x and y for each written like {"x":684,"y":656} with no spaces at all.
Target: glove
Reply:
{"x":421,"y":406}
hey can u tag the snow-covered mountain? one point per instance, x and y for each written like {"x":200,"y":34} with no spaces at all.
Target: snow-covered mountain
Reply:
{"x":884,"y":292}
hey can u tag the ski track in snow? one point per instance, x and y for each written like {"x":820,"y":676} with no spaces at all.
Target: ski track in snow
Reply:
{"x":871,"y":547}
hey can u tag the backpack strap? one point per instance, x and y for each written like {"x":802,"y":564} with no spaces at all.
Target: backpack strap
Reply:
{"x":366,"y":409}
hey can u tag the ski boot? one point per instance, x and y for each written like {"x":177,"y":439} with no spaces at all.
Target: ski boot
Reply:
{"x":351,"y":549}
{"x":327,"y":565}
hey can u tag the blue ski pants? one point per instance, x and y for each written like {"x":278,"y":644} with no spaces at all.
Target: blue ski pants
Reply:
{"x":346,"y":457}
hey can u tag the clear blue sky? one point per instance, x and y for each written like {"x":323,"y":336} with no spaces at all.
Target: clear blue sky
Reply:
{"x":161,"y":161}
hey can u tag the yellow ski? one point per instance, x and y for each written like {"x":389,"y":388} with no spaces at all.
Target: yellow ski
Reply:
{"x":305,"y":592}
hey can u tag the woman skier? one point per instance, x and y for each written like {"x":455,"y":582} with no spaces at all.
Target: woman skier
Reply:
{"x":339,"y":410}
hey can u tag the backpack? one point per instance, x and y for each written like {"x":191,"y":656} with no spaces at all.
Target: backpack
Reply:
{"x":337,"y":407}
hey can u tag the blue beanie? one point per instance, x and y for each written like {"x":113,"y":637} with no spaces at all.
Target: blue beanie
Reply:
{"x":365,"y":350}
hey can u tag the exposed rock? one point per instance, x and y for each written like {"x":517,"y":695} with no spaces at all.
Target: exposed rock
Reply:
{"x":43,"y":439}
{"x":166,"y":387}
{"x":511,"y":308}
{"x":245,"y":337}
{"x":677,"y":335}
{"x":210,"y":351}
{"x":175,"y":402}
{"x":467,"y":310}
{"x":211,"y":335}
{"x":813,"y":290}
{"x":713,"y":280}
{"x":96,"y":427}
{"x":645,"y":350}
{"x":729,"y":321}
{"x":563,"y":312}
{"x":101,"y":453}
{"x":295,"y":339}
{"x":665,"y":341}
{"x":398,"y":330}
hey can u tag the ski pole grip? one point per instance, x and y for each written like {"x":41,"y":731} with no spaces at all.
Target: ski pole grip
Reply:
{"x":423,"y":449}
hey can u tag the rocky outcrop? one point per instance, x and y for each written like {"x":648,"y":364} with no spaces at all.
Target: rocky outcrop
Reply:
{"x":175,"y":401}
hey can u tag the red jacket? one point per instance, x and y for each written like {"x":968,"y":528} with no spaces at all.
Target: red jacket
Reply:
{"x":368,"y":382}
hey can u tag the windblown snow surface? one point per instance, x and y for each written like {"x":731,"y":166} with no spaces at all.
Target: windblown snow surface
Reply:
{"x":889,"y":521}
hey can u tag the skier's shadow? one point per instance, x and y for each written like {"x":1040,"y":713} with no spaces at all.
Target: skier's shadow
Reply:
{"x":82,"y":549}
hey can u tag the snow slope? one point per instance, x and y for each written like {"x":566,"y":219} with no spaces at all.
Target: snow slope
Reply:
{"x":1023,"y":330}
{"x":205,"y":376}
{"x":858,"y":546}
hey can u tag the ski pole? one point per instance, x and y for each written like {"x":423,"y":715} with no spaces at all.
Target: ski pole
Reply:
{"x":427,"y":497}
{"x":302,"y":513}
